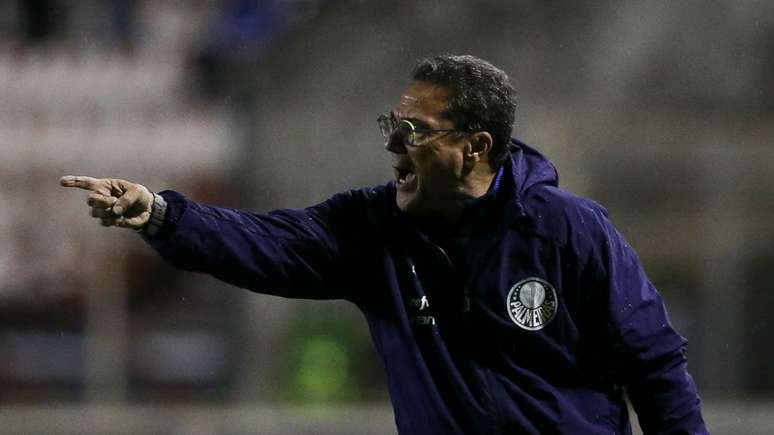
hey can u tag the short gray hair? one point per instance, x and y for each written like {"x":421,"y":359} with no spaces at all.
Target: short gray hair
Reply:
{"x":482,"y":97}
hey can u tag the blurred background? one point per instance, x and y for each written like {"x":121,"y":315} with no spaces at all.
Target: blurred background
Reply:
{"x":663,"y":111}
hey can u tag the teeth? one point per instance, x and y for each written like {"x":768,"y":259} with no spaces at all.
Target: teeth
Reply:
{"x":403,"y":176}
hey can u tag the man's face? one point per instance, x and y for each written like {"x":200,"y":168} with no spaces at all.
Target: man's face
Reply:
{"x":429,"y":175}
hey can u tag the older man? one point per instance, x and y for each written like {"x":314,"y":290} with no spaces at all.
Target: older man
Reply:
{"x":499,"y":303}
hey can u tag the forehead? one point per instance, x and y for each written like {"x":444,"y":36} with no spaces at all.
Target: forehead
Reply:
{"x":423,"y":101}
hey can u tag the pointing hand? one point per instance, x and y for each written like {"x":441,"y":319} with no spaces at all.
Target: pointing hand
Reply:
{"x":114,"y":201}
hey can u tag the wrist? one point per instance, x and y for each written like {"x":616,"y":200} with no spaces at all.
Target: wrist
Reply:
{"x":157,"y":214}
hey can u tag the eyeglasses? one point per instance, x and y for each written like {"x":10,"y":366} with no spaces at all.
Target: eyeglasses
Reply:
{"x":404,"y":132}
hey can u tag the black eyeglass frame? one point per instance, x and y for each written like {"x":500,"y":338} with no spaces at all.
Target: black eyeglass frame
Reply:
{"x":389,"y":125}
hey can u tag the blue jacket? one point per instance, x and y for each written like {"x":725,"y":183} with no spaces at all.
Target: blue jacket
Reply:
{"x":532,"y":317}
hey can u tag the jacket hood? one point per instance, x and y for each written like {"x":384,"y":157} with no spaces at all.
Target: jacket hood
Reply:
{"x":530,"y":168}
{"x":527,"y":168}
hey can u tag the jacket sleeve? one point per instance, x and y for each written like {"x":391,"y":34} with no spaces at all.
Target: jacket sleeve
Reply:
{"x":644,"y":353}
{"x":303,"y":253}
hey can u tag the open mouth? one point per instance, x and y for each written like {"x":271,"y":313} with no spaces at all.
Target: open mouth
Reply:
{"x":404,"y":177}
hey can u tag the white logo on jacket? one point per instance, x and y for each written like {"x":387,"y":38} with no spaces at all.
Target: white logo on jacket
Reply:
{"x":532,"y":303}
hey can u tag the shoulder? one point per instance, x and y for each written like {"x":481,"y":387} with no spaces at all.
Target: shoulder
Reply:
{"x":565,"y":218}
{"x":365,"y":198}
{"x":358,"y":206}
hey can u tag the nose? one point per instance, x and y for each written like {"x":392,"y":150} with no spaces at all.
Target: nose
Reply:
{"x":395,"y":145}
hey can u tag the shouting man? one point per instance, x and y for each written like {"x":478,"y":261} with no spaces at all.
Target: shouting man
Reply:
{"x":499,"y":303}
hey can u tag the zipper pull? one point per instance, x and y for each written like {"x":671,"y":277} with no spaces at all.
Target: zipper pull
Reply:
{"x":466,"y":299}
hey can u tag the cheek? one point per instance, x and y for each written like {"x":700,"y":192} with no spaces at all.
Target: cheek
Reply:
{"x":443,"y":168}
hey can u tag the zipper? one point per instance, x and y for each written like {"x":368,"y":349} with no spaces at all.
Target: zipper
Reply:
{"x":465,"y":306}
{"x":487,"y":377}
{"x":497,"y":415}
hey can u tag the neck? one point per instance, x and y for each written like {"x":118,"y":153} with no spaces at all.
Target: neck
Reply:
{"x":474,"y":186}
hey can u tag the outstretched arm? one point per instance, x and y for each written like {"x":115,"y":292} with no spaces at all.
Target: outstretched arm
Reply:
{"x":304,"y":253}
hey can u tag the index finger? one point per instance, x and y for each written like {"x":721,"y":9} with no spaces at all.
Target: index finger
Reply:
{"x":80,"y":181}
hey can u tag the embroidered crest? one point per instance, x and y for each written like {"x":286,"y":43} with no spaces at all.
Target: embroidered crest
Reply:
{"x":532,"y":303}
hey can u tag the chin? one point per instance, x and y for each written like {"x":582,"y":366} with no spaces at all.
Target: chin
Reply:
{"x":402,"y":201}
{"x":412,"y":203}
{"x":406,"y":202}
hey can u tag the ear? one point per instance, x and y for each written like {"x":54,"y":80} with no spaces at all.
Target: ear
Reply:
{"x":479,"y":147}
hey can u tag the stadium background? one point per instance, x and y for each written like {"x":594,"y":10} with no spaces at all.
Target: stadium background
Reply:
{"x":660,"y":110}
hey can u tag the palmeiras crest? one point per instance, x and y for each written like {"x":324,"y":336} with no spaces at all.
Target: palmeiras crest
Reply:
{"x":532,"y":303}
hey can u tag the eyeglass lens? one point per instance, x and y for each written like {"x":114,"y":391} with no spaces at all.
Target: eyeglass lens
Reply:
{"x":387,"y":125}
{"x":402,"y":131}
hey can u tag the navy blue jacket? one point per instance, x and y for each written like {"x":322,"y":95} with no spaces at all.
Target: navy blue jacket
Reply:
{"x":532,"y":317}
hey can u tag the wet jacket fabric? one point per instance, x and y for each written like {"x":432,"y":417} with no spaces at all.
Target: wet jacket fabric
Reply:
{"x":533,"y":316}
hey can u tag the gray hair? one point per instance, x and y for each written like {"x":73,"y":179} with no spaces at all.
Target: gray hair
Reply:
{"x":482,"y":99}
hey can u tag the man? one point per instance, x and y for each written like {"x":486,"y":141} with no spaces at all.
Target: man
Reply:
{"x":499,"y":303}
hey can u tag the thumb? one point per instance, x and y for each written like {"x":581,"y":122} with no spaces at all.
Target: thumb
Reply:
{"x":136,"y":222}
{"x":133,"y":195}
